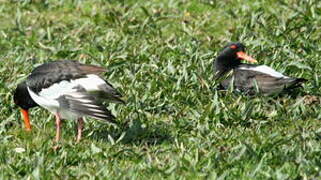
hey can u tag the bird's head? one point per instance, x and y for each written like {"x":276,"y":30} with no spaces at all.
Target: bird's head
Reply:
{"x":22,"y":98}
{"x":231,"y":56}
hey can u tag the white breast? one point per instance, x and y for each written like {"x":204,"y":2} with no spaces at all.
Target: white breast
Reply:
{"x":266,"y":70}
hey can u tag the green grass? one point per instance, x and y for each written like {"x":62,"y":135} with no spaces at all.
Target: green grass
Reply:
{"x":159,"y":56}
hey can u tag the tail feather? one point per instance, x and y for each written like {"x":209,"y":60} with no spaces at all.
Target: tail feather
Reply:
{"x":300,"y":80}
{"x":296,"y":83}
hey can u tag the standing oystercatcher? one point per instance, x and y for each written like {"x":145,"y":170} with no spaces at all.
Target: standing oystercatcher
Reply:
{"x":69,"y":90}
{"x":249,"y":78}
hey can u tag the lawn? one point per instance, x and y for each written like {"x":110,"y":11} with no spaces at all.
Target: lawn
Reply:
{"x":159,"y":55}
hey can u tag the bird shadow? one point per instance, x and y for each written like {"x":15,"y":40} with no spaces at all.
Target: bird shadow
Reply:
{"x":134,"y":132}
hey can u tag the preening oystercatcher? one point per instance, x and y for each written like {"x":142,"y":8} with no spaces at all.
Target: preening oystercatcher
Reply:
{"x":69,"y":90}
{"x":249,"y":78}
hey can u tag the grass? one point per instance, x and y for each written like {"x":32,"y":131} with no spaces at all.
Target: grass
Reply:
{"x":158,"y":55}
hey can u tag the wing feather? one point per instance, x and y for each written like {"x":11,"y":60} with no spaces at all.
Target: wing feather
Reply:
{"x":85,"y":104}
{"x":247,"y":80}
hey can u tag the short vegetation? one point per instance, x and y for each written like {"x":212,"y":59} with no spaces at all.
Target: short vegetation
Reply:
{"x":159,"y":54}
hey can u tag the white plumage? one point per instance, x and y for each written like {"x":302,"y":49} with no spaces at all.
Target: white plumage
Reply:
{"x":266,"y":70}
{"x":48,"y":97}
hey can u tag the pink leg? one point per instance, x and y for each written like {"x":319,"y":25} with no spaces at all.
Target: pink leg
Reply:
{"x":58,"y":126}
{"x":80,"y":123}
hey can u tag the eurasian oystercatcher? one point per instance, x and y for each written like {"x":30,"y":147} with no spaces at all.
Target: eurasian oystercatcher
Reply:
{"x":249,"y":78}
{"x":69,"y":90}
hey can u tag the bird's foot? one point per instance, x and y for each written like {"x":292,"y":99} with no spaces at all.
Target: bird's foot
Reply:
{"x":56,"y":147}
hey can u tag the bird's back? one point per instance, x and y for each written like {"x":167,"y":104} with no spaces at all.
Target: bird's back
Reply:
{"x":53,"y":72}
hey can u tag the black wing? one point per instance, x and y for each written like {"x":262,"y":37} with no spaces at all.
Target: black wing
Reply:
{"x":253,"y":81}
{"x":49,"y":73}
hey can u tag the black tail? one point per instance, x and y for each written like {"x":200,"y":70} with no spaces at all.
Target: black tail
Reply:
{"x":300,"y":80}
{"x":297,"y":82}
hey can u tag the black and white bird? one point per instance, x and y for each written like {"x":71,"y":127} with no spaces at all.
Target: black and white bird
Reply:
{"x":249,"y":78}
{"x":69,"y":90}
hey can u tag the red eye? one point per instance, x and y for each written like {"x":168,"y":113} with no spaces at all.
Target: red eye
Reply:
{"x":233,"y":46}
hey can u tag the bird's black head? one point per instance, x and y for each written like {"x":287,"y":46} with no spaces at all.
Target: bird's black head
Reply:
{"x":230,"y":57}
{"x":231,"y":49}
{"x":22,"y":97}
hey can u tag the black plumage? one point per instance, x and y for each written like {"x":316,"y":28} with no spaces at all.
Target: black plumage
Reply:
{"x":53,"y":72}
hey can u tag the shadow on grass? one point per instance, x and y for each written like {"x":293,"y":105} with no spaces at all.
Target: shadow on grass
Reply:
{"x":135,"y":132}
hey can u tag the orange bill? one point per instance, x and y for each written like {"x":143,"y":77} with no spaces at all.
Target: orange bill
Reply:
{"x":26,"y":119}
{"x":245,"y":57}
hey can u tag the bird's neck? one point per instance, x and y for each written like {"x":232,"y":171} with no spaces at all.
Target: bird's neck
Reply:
{"x":24,"y":98}
{"x":30,"y":102}
{"x":224,"y":64}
